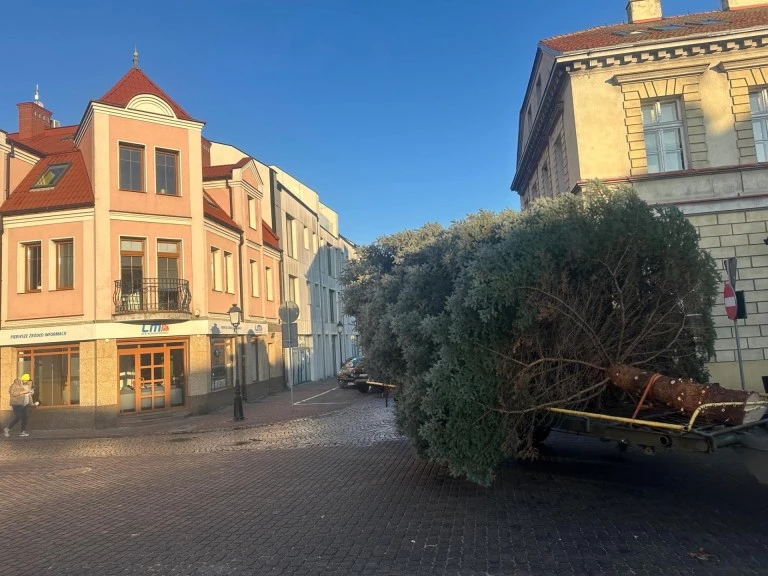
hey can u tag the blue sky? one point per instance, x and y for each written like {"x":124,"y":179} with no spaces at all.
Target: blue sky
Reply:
{"x":397,"y":112}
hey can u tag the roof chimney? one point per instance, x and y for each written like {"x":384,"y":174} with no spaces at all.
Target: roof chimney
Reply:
{"x":33,"y":119}
{"x":737,"y":4}
{"x":645,"y":10}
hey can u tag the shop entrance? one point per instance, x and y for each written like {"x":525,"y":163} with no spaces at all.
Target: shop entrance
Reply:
{"x":151,"y":375}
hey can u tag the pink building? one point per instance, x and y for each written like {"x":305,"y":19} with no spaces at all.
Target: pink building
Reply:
{"x":123,"y":249}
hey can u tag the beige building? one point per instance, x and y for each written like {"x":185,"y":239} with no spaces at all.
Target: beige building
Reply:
{"x":677,"y":107}
{"x":313,"y":256}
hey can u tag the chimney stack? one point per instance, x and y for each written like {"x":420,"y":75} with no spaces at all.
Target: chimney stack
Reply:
{"x":33,"y":119}
{"x":646,"y":10}
{"x":738,"y":4}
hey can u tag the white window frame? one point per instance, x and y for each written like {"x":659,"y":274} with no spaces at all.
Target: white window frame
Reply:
{"x":252,"y":220}
{"x":657,"y":129}
{"x":268,"y":280}
{"x":255,"y":278}
{"x":216,"y":269}
{"x":760,"y":116}
{"x":229,"y":272}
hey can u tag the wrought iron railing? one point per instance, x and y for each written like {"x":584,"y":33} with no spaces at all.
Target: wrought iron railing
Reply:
{"x":151,"y":295}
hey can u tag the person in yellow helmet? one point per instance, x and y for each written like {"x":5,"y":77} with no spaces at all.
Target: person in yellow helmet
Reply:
{"x":21,"y":391}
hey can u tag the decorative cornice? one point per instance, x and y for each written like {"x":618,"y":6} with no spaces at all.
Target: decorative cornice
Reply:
{"x":221,"y":230}
{"x":743,"y":64}
{"x":43,"y":218}
{"x":150,"y":218}
{"x":271,"y":252}
{"x":649,"y":53}
{"x":661,"y":73}
{"x":253,"y":245}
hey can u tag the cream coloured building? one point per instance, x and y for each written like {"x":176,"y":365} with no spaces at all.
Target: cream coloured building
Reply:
{"x":677,"y":107}
{"x":313,"y":254}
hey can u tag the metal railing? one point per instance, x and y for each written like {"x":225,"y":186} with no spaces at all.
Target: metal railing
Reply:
{"x":151,"y":295}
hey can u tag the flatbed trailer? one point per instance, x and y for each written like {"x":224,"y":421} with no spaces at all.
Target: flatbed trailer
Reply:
{"x":669,"y":429}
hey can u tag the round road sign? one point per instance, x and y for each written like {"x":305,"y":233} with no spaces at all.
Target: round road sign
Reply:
{"x":730,"y":301}
{"x":288,"y":312}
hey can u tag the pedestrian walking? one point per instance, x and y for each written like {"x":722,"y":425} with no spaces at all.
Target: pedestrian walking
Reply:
{"x":21,"y":391}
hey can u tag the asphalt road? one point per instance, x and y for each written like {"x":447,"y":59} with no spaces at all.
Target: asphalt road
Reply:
{"x":341,"y":493}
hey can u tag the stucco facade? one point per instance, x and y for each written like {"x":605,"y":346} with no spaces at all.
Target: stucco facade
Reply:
{"x":123,"y":249}
{"x":670,"y":106}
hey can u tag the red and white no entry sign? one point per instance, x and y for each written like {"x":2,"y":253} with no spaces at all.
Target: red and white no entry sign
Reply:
{"x":730,"y":301}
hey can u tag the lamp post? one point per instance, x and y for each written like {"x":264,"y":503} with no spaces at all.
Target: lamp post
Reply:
{"x":235,"y":317}
{"x":340,"y":329}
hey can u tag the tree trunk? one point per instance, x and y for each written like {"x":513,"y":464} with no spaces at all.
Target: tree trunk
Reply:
{"x":685,"y":395}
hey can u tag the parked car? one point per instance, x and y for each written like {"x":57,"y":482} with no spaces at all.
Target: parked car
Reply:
{"x":352,"y":372}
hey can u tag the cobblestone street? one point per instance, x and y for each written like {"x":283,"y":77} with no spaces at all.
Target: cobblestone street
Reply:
{"x":339,"y":492}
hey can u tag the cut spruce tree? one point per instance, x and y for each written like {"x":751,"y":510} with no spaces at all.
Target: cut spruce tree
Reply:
{"x":486,"y":323}
{"x":686,"y":396}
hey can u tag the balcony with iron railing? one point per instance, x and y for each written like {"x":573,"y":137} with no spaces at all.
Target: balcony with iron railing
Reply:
{"x":152,"y":297}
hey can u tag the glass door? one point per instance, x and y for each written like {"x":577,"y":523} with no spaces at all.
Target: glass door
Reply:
{"x":132,"y":273}
{"x":152,"y":374}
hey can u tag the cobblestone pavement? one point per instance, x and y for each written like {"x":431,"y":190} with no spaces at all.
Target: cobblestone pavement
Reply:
{"x":341,"y":493}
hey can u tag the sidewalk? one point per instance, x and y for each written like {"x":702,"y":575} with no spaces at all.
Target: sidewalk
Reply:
{"x":309,"y":399}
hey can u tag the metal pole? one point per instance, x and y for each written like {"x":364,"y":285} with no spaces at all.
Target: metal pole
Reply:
{"x":238,"y":412}
{"x":341,"y":357}
{"x":242,"y":369}
{"x":738,"y":353}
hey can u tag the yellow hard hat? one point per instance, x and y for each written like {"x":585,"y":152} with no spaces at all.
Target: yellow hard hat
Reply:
{"x":25,"y":377}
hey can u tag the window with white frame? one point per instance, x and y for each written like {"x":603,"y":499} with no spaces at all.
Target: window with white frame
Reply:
{"x":758,"y":103}
{"x":290,"y":236}
{"x":293,"y":290}
{"x":268,"y":283}
{"x":254,"y":278}
{"x":229,"y":272}
{"x":306,"y":238}
{"x":663,"y":132}
{"x":216,"y":268}
{"x":252,"y":217}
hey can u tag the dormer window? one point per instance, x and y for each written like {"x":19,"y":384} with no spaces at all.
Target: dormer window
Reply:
{"x":52,"y":175}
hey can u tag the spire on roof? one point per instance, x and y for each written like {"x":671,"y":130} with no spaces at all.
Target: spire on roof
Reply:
{"x":37,"y":96}
{"x":135,"y":57}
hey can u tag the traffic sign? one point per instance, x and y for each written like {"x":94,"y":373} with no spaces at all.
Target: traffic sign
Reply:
{"x":288,"y":312}
{"x":729,"y":296}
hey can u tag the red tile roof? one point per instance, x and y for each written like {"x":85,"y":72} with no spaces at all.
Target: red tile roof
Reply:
{"x":72,"y":191}
{"x":215,"y":212}
{"x":269,"y":237}
{"x":52,"y":141}
{"x":650,"y":32}
{"x":135,"y":82}
{"x":222,"y":170}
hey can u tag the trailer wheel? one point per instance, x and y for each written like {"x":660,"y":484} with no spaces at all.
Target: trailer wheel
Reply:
{"x":363,"y":388}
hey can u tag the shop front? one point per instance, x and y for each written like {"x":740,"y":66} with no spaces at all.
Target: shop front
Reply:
{"x":152,"y":374}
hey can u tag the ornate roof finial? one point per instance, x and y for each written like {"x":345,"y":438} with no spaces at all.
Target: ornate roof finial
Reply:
{"x":135,"y":57}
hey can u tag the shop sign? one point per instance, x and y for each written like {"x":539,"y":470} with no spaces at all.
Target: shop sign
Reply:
{"x":154,"y":328}
{"x":224,"y":328}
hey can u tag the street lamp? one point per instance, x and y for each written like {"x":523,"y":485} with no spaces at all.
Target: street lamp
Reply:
{"x":340,"y":329}
{"x":235,"y":317}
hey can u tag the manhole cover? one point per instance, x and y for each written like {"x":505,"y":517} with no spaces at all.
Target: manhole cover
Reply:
{"x":71,"y":471}
{"x":183,"y":439}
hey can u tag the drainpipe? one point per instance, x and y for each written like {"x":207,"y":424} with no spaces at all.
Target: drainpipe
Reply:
{"x":8,"y":157}
{"x":8,"y":172}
